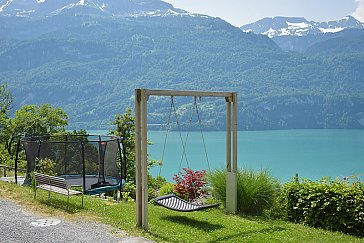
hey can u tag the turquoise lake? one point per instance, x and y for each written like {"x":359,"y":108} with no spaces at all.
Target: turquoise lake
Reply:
{"x":310,"y":153}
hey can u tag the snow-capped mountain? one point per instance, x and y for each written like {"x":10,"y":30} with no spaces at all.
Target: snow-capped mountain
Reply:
{"x":46,"y":8}
{"x":293,"y":26}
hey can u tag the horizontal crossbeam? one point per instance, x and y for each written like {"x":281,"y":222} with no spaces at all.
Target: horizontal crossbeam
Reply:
{"x":196,"y":93}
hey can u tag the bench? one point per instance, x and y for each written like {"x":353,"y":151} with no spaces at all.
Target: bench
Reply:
{"x":53,"y":184}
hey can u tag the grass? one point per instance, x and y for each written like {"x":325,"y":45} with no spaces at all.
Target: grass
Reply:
{"x":169,"y":226}
{"x":256,"y":189}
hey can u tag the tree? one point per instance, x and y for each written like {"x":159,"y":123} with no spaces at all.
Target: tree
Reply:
{"x":125,"y":128}
{"x":5,"y":101}
{"x":33,"y":120}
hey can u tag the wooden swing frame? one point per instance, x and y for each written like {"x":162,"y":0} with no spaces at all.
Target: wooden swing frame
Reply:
{"x":141,"y":146}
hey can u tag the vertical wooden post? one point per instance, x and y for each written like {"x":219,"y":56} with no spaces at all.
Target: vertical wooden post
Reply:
{"x":235,"y":133}
{"x":231,"y":175}
{"x":144,"y":159}
{"x":228,"y":135}
{"x":138,"y":173}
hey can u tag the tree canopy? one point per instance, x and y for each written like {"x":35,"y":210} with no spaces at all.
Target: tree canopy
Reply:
{"x":33,"y":120}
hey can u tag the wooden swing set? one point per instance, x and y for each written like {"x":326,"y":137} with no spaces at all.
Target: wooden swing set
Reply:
{"x":141,"y":144}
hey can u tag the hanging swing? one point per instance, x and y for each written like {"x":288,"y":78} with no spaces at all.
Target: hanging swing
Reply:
{"x":175,"y":203}
{"x":172,"y":201}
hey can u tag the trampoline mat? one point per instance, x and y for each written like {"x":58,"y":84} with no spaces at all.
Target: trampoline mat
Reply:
{"x":77,"y":180}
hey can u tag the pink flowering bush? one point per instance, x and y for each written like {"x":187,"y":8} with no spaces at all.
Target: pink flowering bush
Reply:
{"x":189,"y":184}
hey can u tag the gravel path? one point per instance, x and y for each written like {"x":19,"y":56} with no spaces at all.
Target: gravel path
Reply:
{"x":18,"y":225}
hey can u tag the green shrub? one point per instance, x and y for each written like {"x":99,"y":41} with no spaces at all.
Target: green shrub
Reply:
{"x":45,"y":166}
{"x":125,"y":197}
{"x":5,"y":158}
{"x":9,"y":160}
{"x":278,"y":208}
{"x":211,"y":200}
{"x":166,"y":189}
{"x":329,"y":204}
{"x":154,"y":185}
{"x":256,"y":190}
{"x":130,"y":189}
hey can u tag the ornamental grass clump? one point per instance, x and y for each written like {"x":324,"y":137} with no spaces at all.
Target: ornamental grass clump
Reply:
{"x":256,"y":189}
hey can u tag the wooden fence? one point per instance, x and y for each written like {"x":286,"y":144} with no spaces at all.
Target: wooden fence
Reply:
{"x":6,"y":168}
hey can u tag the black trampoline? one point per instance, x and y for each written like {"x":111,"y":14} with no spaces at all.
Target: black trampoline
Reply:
{"x":97,"y":163}
{"x":92,"y":185}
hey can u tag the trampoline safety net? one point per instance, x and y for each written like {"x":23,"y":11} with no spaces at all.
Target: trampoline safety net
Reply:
{"x":89,"y":161}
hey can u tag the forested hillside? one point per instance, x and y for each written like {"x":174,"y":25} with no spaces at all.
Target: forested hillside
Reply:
{"x":89,"y":65}
{"x":349,"y":42}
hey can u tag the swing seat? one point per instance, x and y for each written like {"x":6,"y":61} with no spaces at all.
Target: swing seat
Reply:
{"x":173,"y":202}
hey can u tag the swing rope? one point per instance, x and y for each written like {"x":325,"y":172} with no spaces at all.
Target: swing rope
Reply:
{"x":202,"y":136}
{"x":171,"y":201}
{"x":184,"y":143}
{"x":166,"y":135}
{"x":173,"y":110}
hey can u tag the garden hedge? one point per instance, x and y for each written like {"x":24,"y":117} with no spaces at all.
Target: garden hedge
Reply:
{"x":329,"y":204}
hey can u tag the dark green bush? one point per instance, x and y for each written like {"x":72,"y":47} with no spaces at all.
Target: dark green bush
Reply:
{"x":256,"y":190}
{"x":277,"y":210}
{"x":329,"y":204}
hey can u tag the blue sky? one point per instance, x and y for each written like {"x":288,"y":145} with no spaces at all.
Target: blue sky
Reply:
{"x":240,"y":12}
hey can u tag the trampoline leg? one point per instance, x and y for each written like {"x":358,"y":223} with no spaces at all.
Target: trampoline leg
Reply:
{"x":82,"y":199}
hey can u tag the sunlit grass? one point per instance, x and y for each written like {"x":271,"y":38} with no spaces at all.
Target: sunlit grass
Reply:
{"x":170,"y":226}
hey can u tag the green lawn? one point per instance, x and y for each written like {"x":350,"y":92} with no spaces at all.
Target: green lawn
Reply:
{"x":169,"y":226}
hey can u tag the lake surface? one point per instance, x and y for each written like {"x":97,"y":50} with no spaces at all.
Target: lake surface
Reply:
{"x":310,"y":153}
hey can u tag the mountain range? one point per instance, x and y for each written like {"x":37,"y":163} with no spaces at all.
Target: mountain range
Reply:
{"x":298,"y":34}
{"x":88,"y":60}
{"x":293,"y":26}
{"x":123,"y":8}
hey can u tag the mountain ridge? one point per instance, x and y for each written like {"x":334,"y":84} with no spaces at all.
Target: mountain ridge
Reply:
{"x":299,"y":34}
{"x":125,"y":8}
{"x":298,"y":26}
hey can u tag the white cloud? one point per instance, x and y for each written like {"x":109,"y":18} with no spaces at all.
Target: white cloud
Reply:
{"x":359,"y":12}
